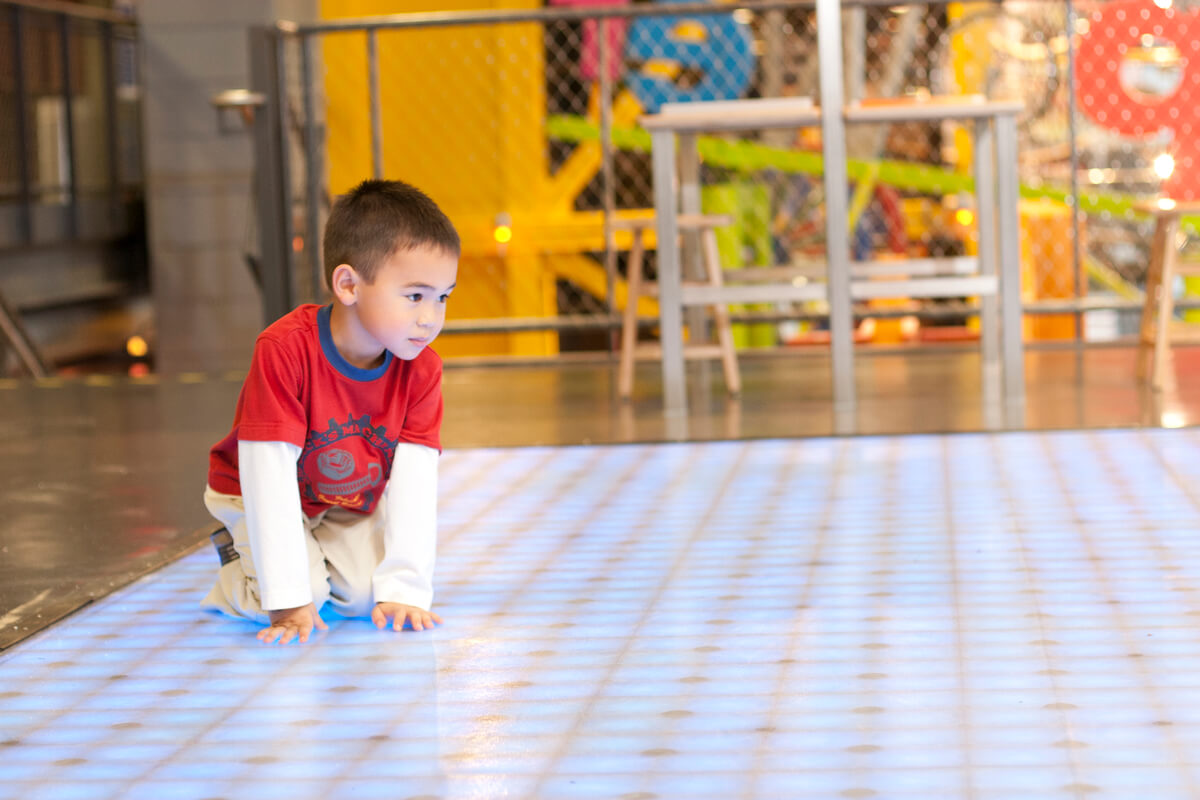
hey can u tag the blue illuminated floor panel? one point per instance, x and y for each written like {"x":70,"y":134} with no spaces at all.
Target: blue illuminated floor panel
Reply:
{"x":971,"y":616}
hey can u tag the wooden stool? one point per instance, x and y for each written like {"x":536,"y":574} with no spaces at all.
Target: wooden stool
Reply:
{"x":1156,"y":334}
{"x":631,"y":350}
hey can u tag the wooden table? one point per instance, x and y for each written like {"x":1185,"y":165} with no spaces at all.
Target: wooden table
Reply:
{"x":673,"y":133}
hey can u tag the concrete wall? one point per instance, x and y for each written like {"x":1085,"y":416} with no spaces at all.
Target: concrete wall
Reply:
{"x":198,"y":171}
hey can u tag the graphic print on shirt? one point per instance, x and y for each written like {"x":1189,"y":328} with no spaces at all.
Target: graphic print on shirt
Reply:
{"x":346,"y":464}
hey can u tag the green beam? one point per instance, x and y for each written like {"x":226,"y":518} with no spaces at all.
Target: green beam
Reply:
{"x":745,"y":156}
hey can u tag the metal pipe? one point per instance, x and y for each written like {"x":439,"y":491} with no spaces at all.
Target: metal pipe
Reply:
{"x":72,"y":186}
{"x":608,"y":174}
{"x":662,"y":159}
{"x":283,"y":146}
{"x":313,"y":172}
{"x":837,"y":246}
{"x":110,"y":119}
{"x":376,"y":114}
{"x":1009,"y":263}
{"x":74,"y":10}
{"x":21,"y":107}
{"x":1073,"y":160}
{"x":451,"y":18}
{"x":271,"y":176}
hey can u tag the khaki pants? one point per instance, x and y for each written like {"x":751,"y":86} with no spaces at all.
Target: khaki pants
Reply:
{"x":344,"y":548}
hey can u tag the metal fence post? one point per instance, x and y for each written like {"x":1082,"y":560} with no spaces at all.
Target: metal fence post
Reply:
{"x":837,"y":246}
{"x":21,"y":111}
{"x":314,"y":171}
{"x":71,"y":186}
{"x":271,"y":179}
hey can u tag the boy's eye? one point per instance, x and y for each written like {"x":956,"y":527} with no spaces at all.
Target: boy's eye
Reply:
{"x":416,"y":298}
{"x":443,"y":298}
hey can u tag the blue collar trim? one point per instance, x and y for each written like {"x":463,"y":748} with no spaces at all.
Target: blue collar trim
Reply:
{"x":335,"y":358}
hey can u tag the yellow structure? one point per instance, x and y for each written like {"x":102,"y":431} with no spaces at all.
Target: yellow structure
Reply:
{"x":1047,"y":243}
{"x":463,"y":111}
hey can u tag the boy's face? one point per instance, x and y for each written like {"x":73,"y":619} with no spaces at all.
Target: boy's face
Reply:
{"x":405,"y":308}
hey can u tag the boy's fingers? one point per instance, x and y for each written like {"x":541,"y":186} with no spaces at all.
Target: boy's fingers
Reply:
{"x":435,"y":617}
{"x":321,"y":623}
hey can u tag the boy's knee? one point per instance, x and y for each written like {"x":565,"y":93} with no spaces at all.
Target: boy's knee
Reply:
{"x":356,"y":599}
{"x":320,"y":593}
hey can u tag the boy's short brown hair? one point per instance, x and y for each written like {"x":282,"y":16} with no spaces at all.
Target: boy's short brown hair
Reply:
{"x":378,"y":218}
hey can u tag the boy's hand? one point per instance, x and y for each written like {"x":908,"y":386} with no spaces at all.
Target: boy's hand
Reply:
{"x":291,"y":623}
{"x":419,"y":618}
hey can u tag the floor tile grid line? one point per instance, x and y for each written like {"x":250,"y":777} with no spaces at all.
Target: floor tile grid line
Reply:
{"x":1071,"y":441}
{"x":504,"y":543}
{"x":570,"y":479}
{"x":283,"y":673}
{"x":460,"y":472}
{"x":130,"y":589}
{"x":299,"y":656}
{"x":1028,"y":568}
{"x":782,"y":684}
{"x":952,"y":537}
{"x":148,"y":656}
{"x":493,"y":518}
{"x":902,"y":477}
{"x":1102,"y":573}
{"x":680,"y":559}
{"x":880,"y":487}
{"x":47,"y":721}
{"x":451,"y":662}
{"x":617,"y":482}
{"x":692,"y":557}
{"x":1173,"y":470}
{"x":1152,"y":537}
{"x":199,"y":735}
{"x":466,"y":485}
{"x":1081,"y":787}
{"x":1179,"y":749}
{"x":1181,"y":482}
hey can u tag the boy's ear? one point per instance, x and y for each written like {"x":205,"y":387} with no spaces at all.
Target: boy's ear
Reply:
{"x":344,"y":284}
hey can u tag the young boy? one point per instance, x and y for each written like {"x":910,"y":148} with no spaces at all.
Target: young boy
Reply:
{"x":327,"y":483}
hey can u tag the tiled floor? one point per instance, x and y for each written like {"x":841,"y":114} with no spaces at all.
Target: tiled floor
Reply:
{"x":1006,"y":615}
{"x":101,"y":476}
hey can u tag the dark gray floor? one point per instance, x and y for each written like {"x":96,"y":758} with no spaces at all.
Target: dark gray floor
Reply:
{"x":103,"y":476}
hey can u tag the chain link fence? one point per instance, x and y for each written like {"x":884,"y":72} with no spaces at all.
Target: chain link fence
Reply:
{"x":524,"y":127}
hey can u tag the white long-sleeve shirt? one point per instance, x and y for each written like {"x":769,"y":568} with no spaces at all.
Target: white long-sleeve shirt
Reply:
{"x":277,"y":527}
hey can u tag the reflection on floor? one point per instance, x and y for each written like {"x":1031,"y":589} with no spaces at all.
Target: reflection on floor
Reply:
{"x":101,"y":477}
{"x":790,"y":394}
{"x":969,"y":616}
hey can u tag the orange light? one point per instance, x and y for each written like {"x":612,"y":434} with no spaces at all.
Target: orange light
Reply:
{"x":139,"y":370}
{"x":136,"y":346}
{"x":964,"y":216}
{"x":298,"y":244}
{"x":503,"y":234}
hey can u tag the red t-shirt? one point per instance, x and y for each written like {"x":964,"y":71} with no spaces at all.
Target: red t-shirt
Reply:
{"x":346,"y":420}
